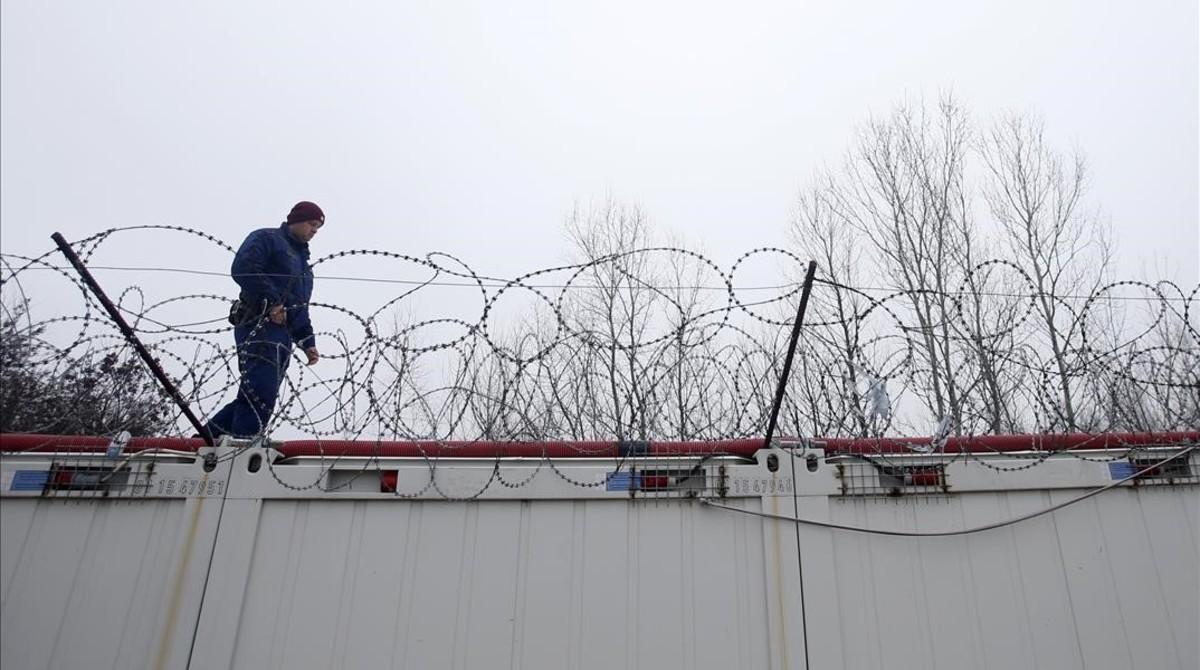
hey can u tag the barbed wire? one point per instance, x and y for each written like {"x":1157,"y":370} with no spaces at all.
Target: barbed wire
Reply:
{"x":611,"y":347}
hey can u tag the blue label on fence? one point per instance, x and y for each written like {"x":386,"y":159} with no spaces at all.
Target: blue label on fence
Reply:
{"x":29,"y":480}
{"x":1121,"y":469}
{"x":621,"y":481}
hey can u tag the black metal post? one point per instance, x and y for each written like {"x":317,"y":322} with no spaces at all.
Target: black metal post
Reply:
{"x":791,"y":352}
{"x":115,"y":315}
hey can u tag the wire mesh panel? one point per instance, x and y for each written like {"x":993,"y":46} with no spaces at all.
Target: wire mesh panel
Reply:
{"x":864,"y":476}
{"x":1148,"y":469}
{"x":665,"y":478}
{"x":93,"y":477}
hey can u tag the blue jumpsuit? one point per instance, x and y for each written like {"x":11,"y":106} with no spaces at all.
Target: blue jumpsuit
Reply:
{"x":271,"y":267}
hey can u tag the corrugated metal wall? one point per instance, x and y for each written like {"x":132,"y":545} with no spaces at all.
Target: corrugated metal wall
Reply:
{"x":1112,"y":582}
{"x":97,"y":584}
{"x":582,"y":584}
{"x":269,"y":576}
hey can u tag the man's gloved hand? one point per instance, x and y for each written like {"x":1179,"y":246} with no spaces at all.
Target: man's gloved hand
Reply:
{"x":313,"y":355}
{"x":277,"y":314}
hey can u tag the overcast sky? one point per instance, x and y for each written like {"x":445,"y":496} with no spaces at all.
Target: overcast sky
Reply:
{"x":473,"y":127}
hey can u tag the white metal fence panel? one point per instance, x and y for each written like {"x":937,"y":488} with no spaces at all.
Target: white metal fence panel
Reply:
{"x":317,"y":563}
{"x":1111,"y":582}
{"x":100,"y":584}
{"x":522,"y":584}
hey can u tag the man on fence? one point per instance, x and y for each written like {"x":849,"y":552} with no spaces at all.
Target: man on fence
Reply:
{"x":271,"y":313}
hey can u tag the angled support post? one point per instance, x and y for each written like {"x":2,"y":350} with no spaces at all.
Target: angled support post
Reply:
{"x":791,"y":352}
{"x":130,"y":336}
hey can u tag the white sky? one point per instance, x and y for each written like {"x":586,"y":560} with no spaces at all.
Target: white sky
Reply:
{"x":472,"y":128}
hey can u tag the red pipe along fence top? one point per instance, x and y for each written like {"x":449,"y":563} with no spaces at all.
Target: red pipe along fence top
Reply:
{"x":978,"y":444}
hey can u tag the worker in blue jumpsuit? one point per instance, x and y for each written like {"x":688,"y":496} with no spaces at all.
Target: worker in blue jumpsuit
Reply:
{"x":271,"y":314}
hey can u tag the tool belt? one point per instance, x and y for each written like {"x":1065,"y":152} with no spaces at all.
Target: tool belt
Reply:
{"x":242,"y":312}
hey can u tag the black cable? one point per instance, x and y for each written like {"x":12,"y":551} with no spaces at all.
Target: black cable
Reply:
{"x":497,"y":283}
{"x":950,"y":533}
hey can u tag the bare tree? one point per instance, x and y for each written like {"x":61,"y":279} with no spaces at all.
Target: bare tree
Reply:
{"x":84,"y":390}
{"x":1035,"y":195}
{"x":904,"y":191}
{"x":615,"y":305}
{"x":836,"y":334}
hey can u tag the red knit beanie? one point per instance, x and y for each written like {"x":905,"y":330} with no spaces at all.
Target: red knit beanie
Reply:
{"x":305,"y":211}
